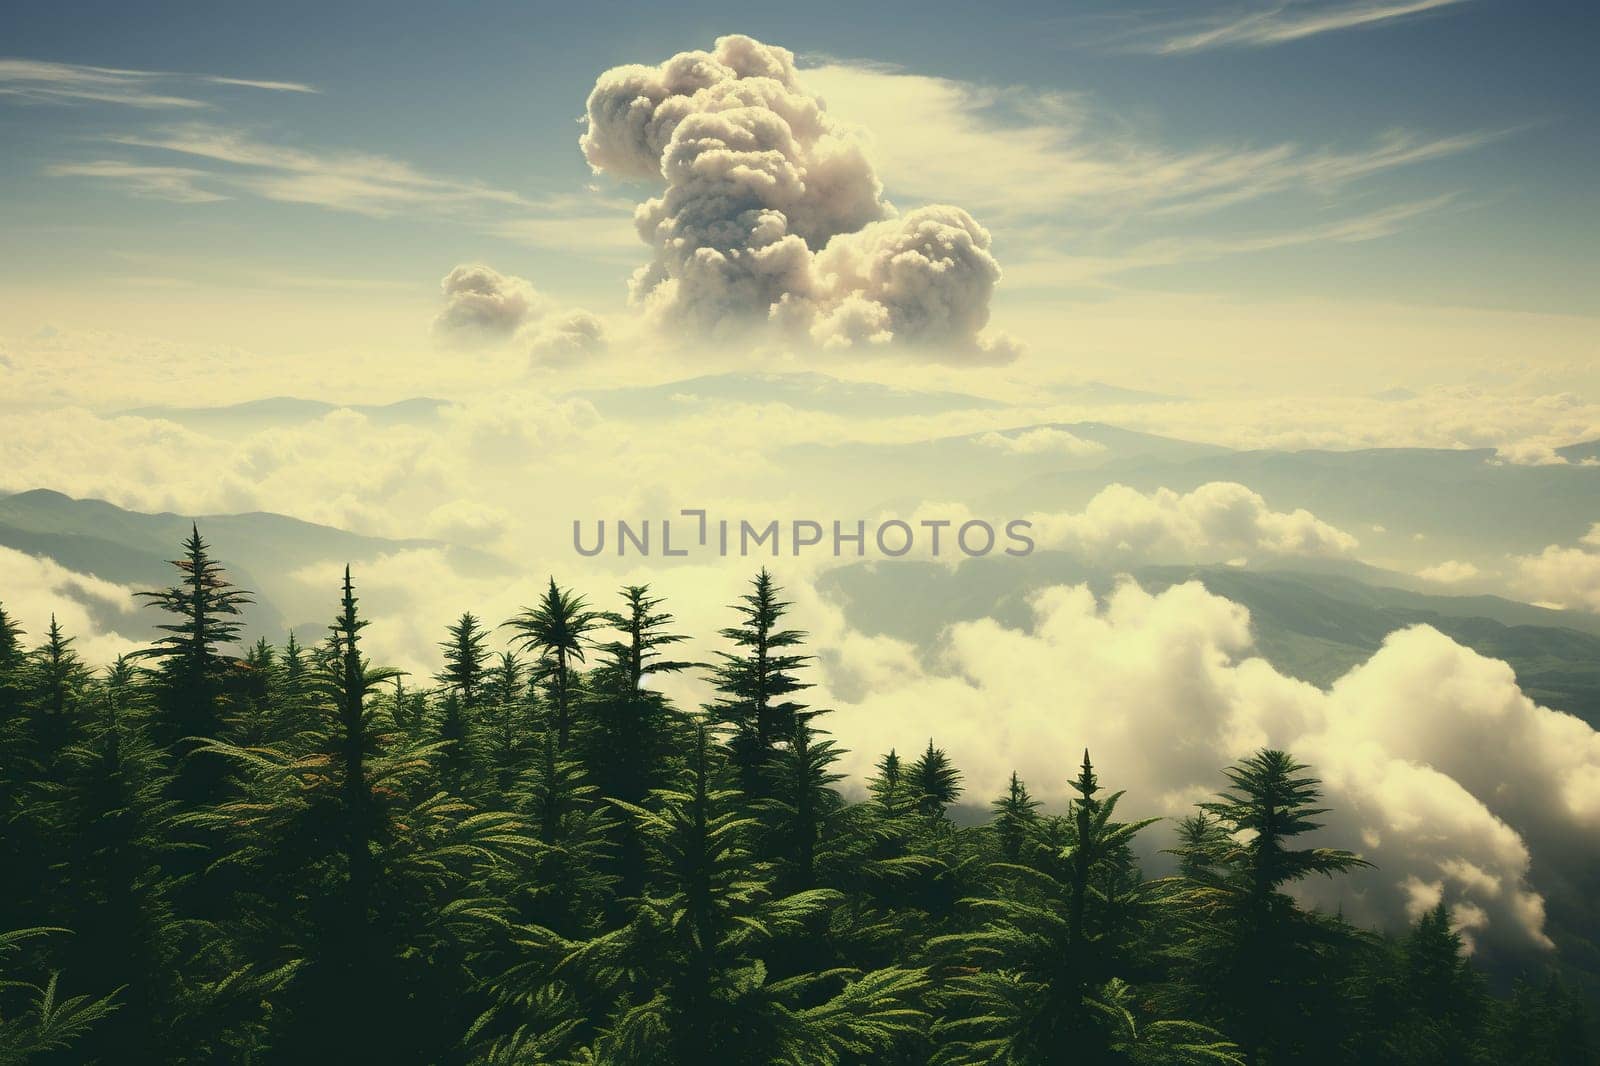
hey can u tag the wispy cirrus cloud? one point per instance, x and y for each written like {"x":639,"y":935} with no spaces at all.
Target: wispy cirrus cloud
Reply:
{"x":1063,"y":155}
{"x":223,"y":162}
{"x":1281,"y":23}
{"x":1055,"y":269}
{"x":41,"y":81}
{"x":177,"y":184}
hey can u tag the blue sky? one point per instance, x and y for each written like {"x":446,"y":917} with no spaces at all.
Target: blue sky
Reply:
{"x":489,"y":92}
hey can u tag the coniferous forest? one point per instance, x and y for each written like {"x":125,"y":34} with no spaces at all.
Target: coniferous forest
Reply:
{"x":287,"y":853}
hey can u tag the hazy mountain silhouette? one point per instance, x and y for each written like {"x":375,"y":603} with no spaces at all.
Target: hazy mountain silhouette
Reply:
{"x":807,"y":391}
{"x":287,"y":410}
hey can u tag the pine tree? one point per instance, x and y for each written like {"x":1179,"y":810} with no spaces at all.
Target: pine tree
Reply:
{"x":511,"y":719}
{"x":192,"y":693}
{"x":933,"y":782}
{"x":804,"y":811}
{"x":23,"y":833}
{"x":57,"y":681}
{"x":114,"y":815}
{"x":361,"y":884}
{"x":295,"y":714}
{"x":754,"y":681}
{"x":464,"y":658}
{"x":1422,"y":1001}
{"x":1016,"y":816}
{"x":888,"y":786}
{"x":1042,"y":971}
{"x":557,"y":631}
{"x":1253,"y":957}
{"x":695,"y":988}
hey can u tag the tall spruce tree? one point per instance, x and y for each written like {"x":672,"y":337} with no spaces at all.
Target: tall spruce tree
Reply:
{"x":464,"y":659}
{"x":755,"y":680}
{"x":1253,"y":960}
{"x":510,"y":719}
{"x":1044,"y":971}
{"x":192,"y":697}
{"x":933,"y":782}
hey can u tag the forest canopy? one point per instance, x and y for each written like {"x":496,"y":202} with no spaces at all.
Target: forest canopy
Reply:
{"x":288,"y":853}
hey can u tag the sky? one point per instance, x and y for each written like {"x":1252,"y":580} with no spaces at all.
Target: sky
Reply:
{"x":1205,"y":163}
{"x":1006,"y":240}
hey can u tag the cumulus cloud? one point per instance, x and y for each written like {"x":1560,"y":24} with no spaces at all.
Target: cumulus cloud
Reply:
{"x":1219,"y":522}
{"x":1564,"y":577}
{"x":1434,"y":763}
{"x":1220,"y":519}
{"x":566,"y":338}
{"x":482,"y":305}
{"x":481,"y":302}
{"x":771,"y":211}
{"x":1449,"y":572}
{"x":1041,"y":440}
{"x":1529,"y":453}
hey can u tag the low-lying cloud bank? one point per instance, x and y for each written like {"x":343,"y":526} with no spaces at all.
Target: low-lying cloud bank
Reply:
{"x":1220,"y":521}
{"x":35,"y":590}
{"x":1435,"y":765}
{"x":771,"y":212}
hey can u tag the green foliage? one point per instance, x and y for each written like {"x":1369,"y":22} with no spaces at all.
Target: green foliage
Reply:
{"x":47,"y":1020}
{"x":933,"y":782}
{"x":557,"y":632}
{"x":285,"y":854}
{"x":754,"y":681}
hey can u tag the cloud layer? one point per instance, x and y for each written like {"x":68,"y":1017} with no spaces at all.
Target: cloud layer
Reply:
{"x":1220,"y":519}
{"x":33,"y":590}
{"x":1434,"y":763}
{"x":771,"y":211}
{"x":1566,"y":577}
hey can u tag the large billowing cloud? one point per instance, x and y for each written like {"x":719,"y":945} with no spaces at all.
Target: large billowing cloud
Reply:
{"x":771,"y":212}
{"x":1435,"y":765}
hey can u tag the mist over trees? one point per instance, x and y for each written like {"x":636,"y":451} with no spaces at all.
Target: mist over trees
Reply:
{"x":291,"y":854}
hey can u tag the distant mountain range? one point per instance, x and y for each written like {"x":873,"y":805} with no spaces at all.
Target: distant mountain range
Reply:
{"x":1421,"y":504}
{"x":287,"y":410}
{"x":260,"y":550}
{"x":1311,"y":625}
{"x":802,"y":391}
{"x":1462,"y":501}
